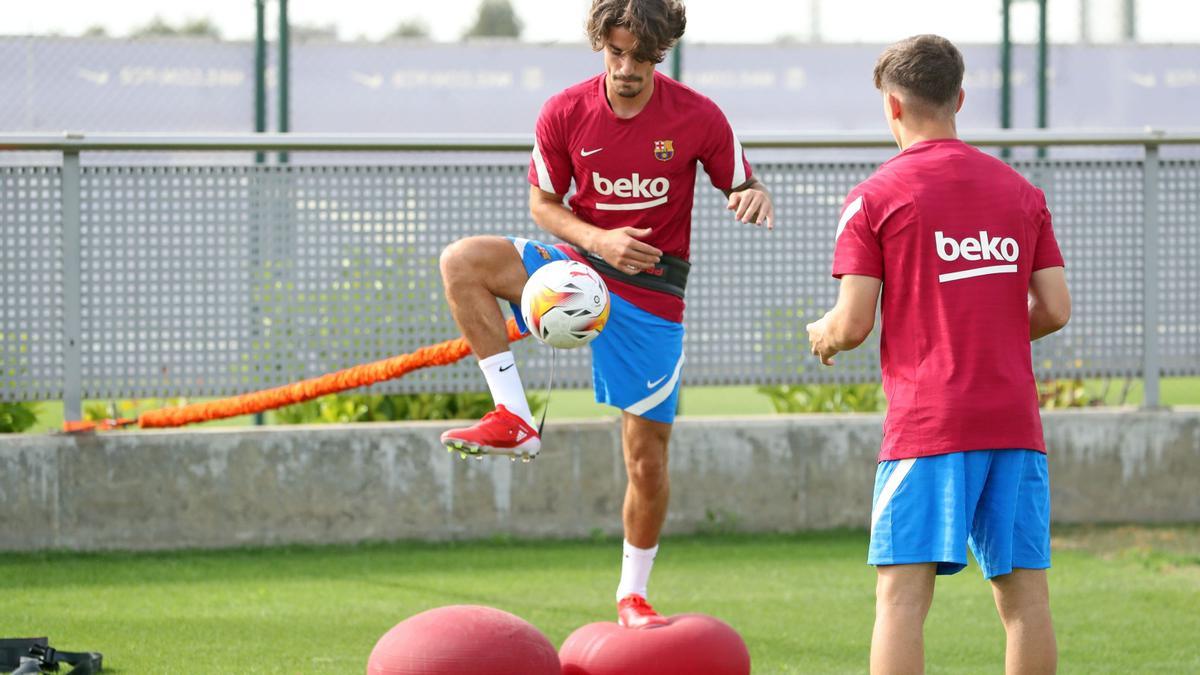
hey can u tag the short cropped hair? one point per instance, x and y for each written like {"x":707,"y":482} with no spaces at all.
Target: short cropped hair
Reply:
{"x":929,"y":67}
{"x":656,"y":25}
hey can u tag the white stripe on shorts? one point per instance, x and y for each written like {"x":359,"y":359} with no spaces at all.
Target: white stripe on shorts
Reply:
{"x":890,"y":487}
{"x":648,"y":403}
{"x":520,"y":243}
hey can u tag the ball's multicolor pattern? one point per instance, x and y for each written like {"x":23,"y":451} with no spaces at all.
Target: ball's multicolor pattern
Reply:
{"x":565,"y":304}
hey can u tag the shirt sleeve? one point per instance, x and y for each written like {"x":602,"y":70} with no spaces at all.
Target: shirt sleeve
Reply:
{"x":856,"y":249}
{"x":550,"y":164}
{"x":1046,"y":252}
{"x":722,"y":155}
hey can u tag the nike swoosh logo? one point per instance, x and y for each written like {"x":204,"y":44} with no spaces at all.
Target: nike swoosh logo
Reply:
{"x":587,"y":153}
{"x":651,"y":385}
{"x":504,"y":368}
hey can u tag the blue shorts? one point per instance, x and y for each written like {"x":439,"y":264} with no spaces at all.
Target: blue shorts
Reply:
{"x":636,"y":359}
{"x":929,"y":509}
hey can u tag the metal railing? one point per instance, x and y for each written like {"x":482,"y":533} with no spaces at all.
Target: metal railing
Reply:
{"x":76,"y":142}
{"x":202,"y":280}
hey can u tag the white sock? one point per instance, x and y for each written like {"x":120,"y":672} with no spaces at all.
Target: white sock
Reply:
{"x":635,"y":570}
{"x":504,"y":382}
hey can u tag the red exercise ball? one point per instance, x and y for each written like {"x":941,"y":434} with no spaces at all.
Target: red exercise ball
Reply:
{"x":689,"y":644}
{"x":463,"y":640}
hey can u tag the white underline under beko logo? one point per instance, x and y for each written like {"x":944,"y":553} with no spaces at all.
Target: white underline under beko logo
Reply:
{"x":634,"y":187}
{"x":583,"y":152}
{"x":983,"y":248}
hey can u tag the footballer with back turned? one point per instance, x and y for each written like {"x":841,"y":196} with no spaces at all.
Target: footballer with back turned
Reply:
{"x":958,"y":249}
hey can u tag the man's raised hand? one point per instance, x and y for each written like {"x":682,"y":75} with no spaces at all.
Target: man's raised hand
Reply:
{"x":752,"y":205}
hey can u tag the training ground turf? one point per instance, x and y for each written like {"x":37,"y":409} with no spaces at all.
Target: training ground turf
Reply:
{"x":1125,"y":600}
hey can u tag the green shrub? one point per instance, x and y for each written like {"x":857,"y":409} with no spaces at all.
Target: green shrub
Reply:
{"x":809,"y":398}
{"x":344,"y":408}
{"x":131,"y":408}
{"x":17,"y":417}
{"x":1055,"y":394}
{"x":812,"y":398}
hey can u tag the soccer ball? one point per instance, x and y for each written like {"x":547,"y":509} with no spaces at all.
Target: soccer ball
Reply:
{"x":565,"y":304}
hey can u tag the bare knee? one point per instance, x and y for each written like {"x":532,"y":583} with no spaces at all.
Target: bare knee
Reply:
{"x":646,"y":454}
{"x":1022,"y":596}
{"x":455,"y":261}
{"x":905,"y":590}
{"x":647,"y":471}
{"x":901,"y":602}
{"x":484,"y":262}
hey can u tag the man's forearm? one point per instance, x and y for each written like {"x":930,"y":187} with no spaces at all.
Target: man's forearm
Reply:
{"x":1049,"y":302}
{"x":844,"y":333}
{"x":1042,"y":322}
{"x":560,"y":221}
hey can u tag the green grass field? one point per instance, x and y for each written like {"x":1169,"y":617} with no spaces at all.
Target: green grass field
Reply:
{"x":1125,"y":600}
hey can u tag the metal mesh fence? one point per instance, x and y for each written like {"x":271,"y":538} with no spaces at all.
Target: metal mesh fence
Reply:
{"x":1179,"y":272}
{"x":1098,"y":219}
{"x":219,"y":280}
{"x":31,"y":295}
{"x":753,"y":291}
{"x":167,"y":307}
{"x":213,"y":280}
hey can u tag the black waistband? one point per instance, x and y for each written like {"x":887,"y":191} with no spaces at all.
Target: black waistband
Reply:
{"x":668,"y":276}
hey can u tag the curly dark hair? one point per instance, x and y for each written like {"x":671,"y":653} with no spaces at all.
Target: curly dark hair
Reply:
{"x":929,"y":67}
{"x":656,"y":25}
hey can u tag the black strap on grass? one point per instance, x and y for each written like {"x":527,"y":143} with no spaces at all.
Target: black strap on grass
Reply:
{"x":35,"y":655}
{"x":12,"y":649}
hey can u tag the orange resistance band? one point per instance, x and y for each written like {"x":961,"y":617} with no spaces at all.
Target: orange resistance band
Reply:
{"x":440,"y":354}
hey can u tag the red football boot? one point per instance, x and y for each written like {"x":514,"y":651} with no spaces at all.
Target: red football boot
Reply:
{"x":634,"y":612}
{"x":499,"y":433}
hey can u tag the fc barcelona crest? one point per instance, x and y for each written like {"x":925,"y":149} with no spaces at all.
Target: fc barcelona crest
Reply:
{"x":664,"y":150}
